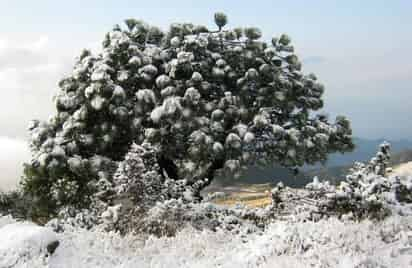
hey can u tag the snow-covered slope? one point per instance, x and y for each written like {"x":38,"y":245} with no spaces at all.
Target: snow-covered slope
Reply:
{"x":327,"y":243}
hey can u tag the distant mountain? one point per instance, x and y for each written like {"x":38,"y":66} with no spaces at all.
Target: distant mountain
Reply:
{"x":336,"y":173}
{"x":402,"y":157}
{"x":365,"y":149}
{"x":272,"y":174}
{"x":334,"y":170}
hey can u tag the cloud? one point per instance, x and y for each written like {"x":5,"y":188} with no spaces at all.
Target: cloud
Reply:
{"x":40,"y":44}
{"x":29,"y":73}
{"x":13,"y":154}
{"x":23,"y":54}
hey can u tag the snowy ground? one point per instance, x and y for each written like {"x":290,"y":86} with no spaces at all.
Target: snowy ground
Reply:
{"x":284,"y":243}
{"x":328,"y":243}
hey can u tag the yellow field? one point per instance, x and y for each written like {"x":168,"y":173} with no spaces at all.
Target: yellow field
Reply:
{"x":251,"y":196}
{"x":258,"y":202}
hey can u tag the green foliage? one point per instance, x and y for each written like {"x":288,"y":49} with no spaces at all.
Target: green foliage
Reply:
{"x":49,"y":189}
{"x":21,"y":206}
{"x":206,"y":100}
{"x":220,"y":19}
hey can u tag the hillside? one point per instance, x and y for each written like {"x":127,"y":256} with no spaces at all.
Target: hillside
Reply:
{"x":401,"y":157}
{"x":256,"y":195}
{"x":364,"y":151}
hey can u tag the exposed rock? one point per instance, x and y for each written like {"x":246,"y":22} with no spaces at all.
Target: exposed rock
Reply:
{"x":51,"y":248}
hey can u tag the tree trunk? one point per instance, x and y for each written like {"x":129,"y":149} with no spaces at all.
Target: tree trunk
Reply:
{"x":210,"y":172}
{"x":198,"y":183}
{"x":168,"y":166}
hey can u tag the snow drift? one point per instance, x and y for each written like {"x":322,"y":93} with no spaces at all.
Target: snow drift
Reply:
{"x":23,"y":242}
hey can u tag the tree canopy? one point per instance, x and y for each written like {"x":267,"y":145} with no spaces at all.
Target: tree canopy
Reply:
{"x":206,"y":99}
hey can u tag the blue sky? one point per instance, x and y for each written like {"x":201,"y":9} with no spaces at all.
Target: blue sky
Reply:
{"x":361,"y":50}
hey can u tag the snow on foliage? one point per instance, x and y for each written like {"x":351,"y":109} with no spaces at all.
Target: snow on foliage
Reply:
{"x":137,"y":177}
{"x":327,"y":243}
{"x":147,"y":85}
{"x":365,"y":221}
{"x":367,"y":191}
{"x":140,"y":130}
{"x":140,"y":200}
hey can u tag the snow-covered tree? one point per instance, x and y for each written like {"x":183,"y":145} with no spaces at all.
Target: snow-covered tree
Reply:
{"x":206,"y":99}
{"x":138,"y":178}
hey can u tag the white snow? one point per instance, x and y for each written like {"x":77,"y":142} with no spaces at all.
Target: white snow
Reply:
{"x":97,"y":103}
{"x":146,"y":95}
{"x":197,"y":77}
{"x":175,"y":41}
{"x":112,"y":213}
{"x":184,"y":57}
{"x":192,"y":95}
{"x":232,"y":165}
{"x":218,"y":148}
{"x":327,"y":243}
{"x":58,"y":151}
{"x":170,"y":106}
{"x":157,"y":114}
{"x":135,"y":61}
{"x":23,"y":242}
{"x":100,"y":72}
{"x":233,"y":141}
{"x":163,"y":81}
{"x":260,"y":120}
{"x":119,"y":92}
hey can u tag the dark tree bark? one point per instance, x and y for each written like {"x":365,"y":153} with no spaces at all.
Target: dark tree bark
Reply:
{"x":199,"y":182}
{"x":210,"y":172}
{"x":167,"y":166}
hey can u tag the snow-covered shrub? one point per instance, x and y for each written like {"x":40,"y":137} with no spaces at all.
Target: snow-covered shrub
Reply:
{"x":142,"y":199}
{"x":74,"y":217}
{"x":367,"y":191}
{"x":173,"y":215}
{"x":205,"y":99}
{"x":138,"y":179}
{"x":326,"y":243}
{"x":17,"y":204}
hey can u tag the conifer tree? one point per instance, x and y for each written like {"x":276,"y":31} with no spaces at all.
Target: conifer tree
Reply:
{"x":206,"y":99}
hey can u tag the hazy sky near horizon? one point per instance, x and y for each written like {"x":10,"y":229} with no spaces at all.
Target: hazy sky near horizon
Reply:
{"x":360,"y":50}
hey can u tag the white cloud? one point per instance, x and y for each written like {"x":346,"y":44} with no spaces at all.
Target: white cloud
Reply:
{"x":3,"y":45}
{"x":30,"y":68}
{"x":29,"y":73}
{"x":13,"y":154}
{"x":40,"y":44}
